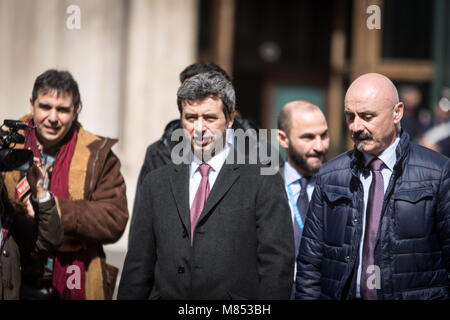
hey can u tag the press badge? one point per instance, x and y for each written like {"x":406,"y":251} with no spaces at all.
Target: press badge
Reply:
{"x":23,"y":188}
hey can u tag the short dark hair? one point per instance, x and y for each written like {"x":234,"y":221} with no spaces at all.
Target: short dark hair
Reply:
{"x":61,"y":81}
{"x":204,"y":85}
{"x":201,"y":67}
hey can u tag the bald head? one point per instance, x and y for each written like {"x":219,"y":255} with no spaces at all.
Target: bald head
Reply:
{"x":373,"y":86}
{"x":298,"y":106}
{"x":373,"y":112}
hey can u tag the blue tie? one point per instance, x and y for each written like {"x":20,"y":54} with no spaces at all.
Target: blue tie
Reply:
{"x":302,"y":205}
{"x":302,"y":200}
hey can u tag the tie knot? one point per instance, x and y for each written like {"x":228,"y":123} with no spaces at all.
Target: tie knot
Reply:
{"x":303,"y":182}
{"x":376,"y":164}
{"x":204,"y":169}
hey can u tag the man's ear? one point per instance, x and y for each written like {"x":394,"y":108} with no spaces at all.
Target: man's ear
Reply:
{"x":231,"y":120}
{"x":77,"y":109}
{"x":398,"y":112}
{"x":31,"y":106}
{"x":283,"y":139}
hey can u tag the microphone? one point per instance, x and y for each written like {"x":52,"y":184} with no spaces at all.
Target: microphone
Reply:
{"x":16,"y":124}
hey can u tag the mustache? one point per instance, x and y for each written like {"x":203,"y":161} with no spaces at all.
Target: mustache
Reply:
{"x":361,"y":135}
{"x":201,"y":138}
{"x":315,"y":155}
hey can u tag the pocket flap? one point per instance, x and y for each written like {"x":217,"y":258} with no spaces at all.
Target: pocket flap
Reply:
{"x":333,"y":197}
{"x":414,"y":196}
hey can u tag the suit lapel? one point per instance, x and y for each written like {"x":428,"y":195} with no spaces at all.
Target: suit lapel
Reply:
{"x":179,"y":183}
{"x":281,"y":171}
{"x":227,"y":176}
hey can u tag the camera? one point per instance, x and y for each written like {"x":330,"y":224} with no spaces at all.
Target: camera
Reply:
{"x":10,"y":158}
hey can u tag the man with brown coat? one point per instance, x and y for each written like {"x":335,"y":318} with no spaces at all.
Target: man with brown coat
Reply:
{"x":85,"y":181}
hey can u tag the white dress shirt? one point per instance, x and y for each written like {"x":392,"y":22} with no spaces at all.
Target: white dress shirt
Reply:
{"x":290,"y":176}
{"x":389,"y":159}
{"x":216,"y":164}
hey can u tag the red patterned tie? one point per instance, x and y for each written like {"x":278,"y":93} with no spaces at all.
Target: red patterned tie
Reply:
{"x":200,"y":197}
{"x":373,"y":213}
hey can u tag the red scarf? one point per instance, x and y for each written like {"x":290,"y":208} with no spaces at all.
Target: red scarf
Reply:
{"x":68,"y":271}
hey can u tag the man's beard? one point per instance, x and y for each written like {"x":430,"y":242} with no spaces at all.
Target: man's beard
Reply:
{"x":301,"y":161}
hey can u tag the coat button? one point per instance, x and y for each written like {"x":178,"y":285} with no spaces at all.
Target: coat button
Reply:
{"x":347,"y":258}
{"x":180,"y":269}
{"x":5,"y":253}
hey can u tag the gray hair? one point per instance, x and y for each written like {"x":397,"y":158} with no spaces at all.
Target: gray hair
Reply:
{"x":204,"y":85}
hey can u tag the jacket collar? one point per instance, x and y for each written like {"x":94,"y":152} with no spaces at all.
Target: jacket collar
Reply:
{"x":179,"y":181}
{"x":357,"y":157}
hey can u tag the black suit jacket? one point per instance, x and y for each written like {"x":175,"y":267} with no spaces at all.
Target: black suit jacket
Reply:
{"x":243,"y":243}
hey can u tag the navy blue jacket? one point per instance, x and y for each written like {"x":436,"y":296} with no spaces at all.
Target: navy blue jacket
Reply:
{"x":413,"y":241}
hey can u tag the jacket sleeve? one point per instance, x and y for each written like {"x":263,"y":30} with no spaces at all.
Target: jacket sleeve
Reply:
{"x":309,"y":259}
{"x":443,"y":215}
{"x":41,"y":234}
{"x":138,"y":270}
{"x":154,"y":159}
{"x":102,"y":218}
{"x":151,"y":163}
{"x":50,"y":231}
{"x":275,"y":240}
{"x":146,"y":167}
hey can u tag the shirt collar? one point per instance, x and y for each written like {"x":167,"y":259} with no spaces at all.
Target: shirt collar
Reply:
{"x":388,"y":156}
{"x":291,"y":175}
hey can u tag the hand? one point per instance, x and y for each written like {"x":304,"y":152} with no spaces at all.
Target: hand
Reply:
{"x":36,"y":176}
{"x":30,"y":210}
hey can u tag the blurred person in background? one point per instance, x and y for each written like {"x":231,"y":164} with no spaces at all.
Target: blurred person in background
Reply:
{"x":438,"y":137}
{"x":414,"y":119}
